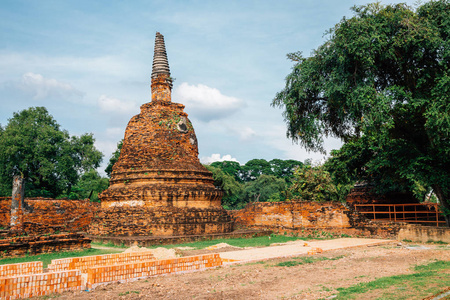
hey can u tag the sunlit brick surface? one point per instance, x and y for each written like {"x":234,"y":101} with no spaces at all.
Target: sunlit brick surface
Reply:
{"x":33,"y":245}
{"x":124,"y":272}
{"x":293,"y":214}
{"x":21,"y":269}
{"x":26,"y":286}
{"x":83,"y":263}
{"x":45,"y":215}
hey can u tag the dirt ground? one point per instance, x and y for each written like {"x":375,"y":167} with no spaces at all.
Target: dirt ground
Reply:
{"x":265,"y":280}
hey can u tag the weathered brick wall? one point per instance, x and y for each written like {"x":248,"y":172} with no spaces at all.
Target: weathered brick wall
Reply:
{"x":33,"y":245}
{"x":85,"y":262}
{"x":144,"y":221}
{"x":124,"y":272}
{"x":293,"y":215}
{"x":45,"y":215}
{"x":26,"y":286}
{"x":314,"y":219}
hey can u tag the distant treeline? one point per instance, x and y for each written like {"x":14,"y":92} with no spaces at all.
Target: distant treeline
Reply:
{"x":260,"y":180}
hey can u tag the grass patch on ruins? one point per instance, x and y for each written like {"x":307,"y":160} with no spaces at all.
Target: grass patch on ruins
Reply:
{"x":260,"y":241}
{"x":427,"y":280}
{"x":47,"y":257}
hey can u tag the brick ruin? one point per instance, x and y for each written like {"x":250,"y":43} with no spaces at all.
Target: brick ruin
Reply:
{"x":47,"y":215}
{"x":158,"y":185}
{"x":295,"y":215}
{"x":307,"y":218}
{"x":46,"y":225}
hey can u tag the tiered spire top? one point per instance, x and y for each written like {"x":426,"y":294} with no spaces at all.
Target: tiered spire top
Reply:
{"x":160,"y":62}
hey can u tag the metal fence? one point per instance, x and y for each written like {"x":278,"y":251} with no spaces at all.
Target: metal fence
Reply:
{"x":408,"y":212}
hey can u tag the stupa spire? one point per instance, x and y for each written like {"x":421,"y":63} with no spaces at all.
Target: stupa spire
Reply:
{"x":160,"y":69}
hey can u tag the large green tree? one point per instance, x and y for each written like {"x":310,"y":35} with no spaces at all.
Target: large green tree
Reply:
{"x":381,"y":83}
{"x":265,"y":188}
{"x":51,"y":161}
{"x":314,"y":184}
{"x":232,"y":189}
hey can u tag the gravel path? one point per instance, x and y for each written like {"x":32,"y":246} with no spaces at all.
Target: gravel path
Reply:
{"x":296,"y":248}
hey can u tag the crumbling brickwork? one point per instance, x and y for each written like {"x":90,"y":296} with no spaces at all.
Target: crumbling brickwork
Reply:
{"x":158,"y":185}
{"x":293,"y":215}
{"x":45,"y":215}
{"x":142,"y":221}
{"x":33,"y":245}
{"x":315,"y":219}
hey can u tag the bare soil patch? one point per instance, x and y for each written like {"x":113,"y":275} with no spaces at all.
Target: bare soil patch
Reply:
{"x":266,"y":280}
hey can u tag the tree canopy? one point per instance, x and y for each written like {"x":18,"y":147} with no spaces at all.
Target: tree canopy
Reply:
{"x":114,"y":158}
{"x":381,"y":83}
{"x":51,"y":161}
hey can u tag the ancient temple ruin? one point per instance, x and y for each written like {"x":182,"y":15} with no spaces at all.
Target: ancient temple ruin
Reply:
{"x":158,"y":186}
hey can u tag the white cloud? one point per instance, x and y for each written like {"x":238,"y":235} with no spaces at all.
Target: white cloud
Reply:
{"x":113,"y":105}
{"x":216,"y":157}
{"x":40,"y":87}
{"x":114,"y":132}
{"x":246,"y":133}
{"x":206,"y":103}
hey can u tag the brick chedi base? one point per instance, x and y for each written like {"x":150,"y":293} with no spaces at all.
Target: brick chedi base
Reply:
{"x":167,"y":221}
{"x":158,"y":185}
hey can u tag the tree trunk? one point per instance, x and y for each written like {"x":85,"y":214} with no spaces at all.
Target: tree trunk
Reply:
{"x":17,"y":202}
{"x":443,"y":200}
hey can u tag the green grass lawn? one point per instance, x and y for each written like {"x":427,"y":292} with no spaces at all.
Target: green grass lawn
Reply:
{"x":427,"y":280}
{"x":47,"y":258}
{"x":261,"y":241}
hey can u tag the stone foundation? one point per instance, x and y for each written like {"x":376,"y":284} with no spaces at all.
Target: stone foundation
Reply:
{"x":33,"y":245}
{"x":165,"y":221}
{"x":418,"y":233}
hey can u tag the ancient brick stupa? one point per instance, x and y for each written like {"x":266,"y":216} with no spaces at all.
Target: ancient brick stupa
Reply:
{"x":158,"y":186}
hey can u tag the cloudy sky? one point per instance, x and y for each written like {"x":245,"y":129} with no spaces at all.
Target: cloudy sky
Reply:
{"x":89,"y":63}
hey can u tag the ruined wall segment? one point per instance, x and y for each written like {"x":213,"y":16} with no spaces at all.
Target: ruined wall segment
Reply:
{"x":294,"y":215}
{"x":46,"y":215}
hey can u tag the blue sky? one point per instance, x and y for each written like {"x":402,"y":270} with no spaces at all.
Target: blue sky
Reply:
{"x":89,"y":64}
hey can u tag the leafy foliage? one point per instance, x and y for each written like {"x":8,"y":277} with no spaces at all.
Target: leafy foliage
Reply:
{"x":381,"y":84}
{"x":231,"y":188}
{"x":266,"y":188}
{"x":257,"y":167}
{"x":314,"y":184}
{"x":33,"y":146}
{"x":89,"y":186}
{"x":114,"y":158}
{"x":257,"y":180}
